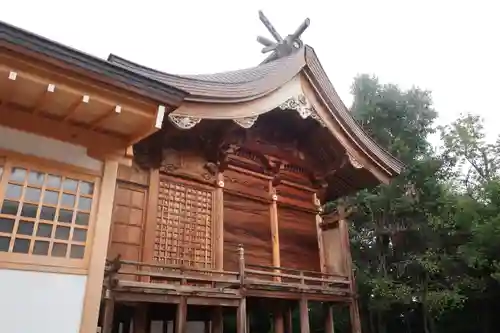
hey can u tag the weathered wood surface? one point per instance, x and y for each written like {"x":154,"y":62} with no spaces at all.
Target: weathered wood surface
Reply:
{"x":298,"y":239}
{"x":128,"y":221}
{"x":246,"y":222}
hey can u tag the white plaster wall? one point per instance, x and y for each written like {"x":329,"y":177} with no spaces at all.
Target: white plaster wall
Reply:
{"x":37,"y":302}
{"x":40,"y":146}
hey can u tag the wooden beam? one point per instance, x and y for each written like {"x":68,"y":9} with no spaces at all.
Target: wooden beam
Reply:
{"x":319,"y":233}
{"x":181,"y":315}
{"x":328,"y":310}
{"x":304,"y":315}
{"x":219,"y":222}
{"x":44,"y":98}
{"x":151,"y":217}
{"x":331,"y":220}
{"x":273,"y":210}
{"x":279,"y":323}
{"x":6,"y":96}
{"x":140,"y":318}
{"x":288,"y":319}
{"x":25,"y":121}
{"x":354,"y":314}
{"x":73,"y":108}
{"x":116,"y":110}
{"x":150,"y":127}
{"x":108,"y":315}
{"x":97,"y":95}
{"x":241,"y":318}
{"x":346,"y":251}
{"x":100,"y":241}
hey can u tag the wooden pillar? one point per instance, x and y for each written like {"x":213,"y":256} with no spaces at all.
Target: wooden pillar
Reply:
{"x":151,"y":220}
{"x":108,"y":315}
{"x":279,"y":322}
{"x":319,"y":233}
{"x":219,"y":222}
{"x":329,"y":328}
{"x":354,"y":314}
{"x":180,"y":318}
{"x":217,"y":314}
{"x":241,"y":316}
{"x":346,"y":249}
{"x":206,"y":326}
{"x":100,"y":241}
{"x":273,"y":210}
{"x":217,"y":320}
{"x":288,"y":320}
{"x":304,"y":315}
{"x":141,"y":318}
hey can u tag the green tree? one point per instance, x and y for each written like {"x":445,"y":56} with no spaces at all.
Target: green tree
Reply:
{"x":397,"y":248}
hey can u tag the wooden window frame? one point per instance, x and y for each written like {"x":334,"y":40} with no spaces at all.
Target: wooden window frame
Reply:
{"x":196,"y":186}
{"x":47,"y":263}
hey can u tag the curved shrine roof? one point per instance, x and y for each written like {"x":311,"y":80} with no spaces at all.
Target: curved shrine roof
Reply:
{"x":252,"y":83}
{"x":228,"y":87}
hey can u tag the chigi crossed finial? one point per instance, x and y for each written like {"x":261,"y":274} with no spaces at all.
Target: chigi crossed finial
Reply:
{"x":282,"y":47}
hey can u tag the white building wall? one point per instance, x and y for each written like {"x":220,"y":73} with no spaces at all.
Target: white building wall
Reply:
{"x":38,"y":302}
{"x":40,"y":146}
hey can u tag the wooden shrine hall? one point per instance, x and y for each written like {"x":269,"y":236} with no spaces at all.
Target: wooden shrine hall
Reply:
{"x":217,"y":222}
{"x":223,"y":214}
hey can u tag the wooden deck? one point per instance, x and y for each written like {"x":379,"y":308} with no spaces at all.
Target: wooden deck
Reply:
{"x":131,"y":281}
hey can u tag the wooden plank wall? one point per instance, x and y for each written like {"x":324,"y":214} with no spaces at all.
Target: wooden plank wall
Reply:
{"x":298,"y":239}
{"x":246,"y":221}
{"x":334,"y":257}
{"x":129,"y":214}
{"x":297,"y":228}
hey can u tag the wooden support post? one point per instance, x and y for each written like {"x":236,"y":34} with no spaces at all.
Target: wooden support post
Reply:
{"x":346,"y":249}
{"x":319,"y":233}
{"x":109,"y":311}
{"x":141,"y":318}
{"x":279,"y":323}
{"x":241,"y":269}
{"x":273,"y":213}
{"x":100,"y":242}
{"x":219,"y":222}
{"x":288,"y":320}
{"x":180,"y":318}
{"x":304,"y":315}
{"x":329,"y":328}
{"x":241,"y":317}
{"x":354,"y":314}
{"x":217,"y":320}
{"x":151,"y":220}
{"x":206,"y":326}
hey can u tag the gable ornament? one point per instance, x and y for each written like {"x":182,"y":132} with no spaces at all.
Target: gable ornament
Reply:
{"x":183,"y":122}
{"x":246,"y":122}
{"x":354,"y":162}
{"x":300,"y":104}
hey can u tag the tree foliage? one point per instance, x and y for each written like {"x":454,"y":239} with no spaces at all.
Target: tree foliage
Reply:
{"x":427,"y":246}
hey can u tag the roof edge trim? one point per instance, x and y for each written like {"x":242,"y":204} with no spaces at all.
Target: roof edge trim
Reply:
{"x":25,"y":40}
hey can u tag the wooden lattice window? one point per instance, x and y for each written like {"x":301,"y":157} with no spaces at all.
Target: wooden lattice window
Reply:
{"x":44,"y":214}
{"x":184,"y":225}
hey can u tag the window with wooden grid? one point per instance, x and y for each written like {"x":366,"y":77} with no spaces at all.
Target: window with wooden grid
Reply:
{"x":44,"y":214}
{"x":184,"y":225}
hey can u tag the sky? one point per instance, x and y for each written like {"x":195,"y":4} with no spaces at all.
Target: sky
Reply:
{"x":449,"y":47}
